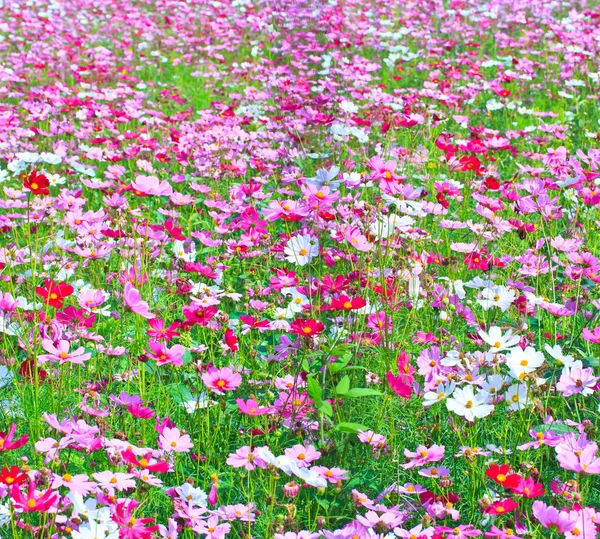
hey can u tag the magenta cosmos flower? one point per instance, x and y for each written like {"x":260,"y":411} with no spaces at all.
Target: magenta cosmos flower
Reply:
{"x":221,"y":380}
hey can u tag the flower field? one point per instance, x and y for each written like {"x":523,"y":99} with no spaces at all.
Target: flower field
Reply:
{"x":299,"y":269}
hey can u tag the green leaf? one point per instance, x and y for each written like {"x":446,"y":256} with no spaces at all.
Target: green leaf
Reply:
{"x":351,"y":428}
{"x":361,"y":392}
{"x":592,"y":361}
{"x":314,"y":391}
{"x":558,"y":428}
{"x":340,"y":364}
{"x":187,"y":357}
{"x":179,"y":392}
{"x":343,"y":385}
{"x":325,"y":408}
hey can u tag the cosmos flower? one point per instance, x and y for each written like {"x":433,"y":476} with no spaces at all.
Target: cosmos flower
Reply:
{"x":301,"y":249}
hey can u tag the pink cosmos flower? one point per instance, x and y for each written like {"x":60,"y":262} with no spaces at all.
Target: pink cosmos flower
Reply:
{"x":357,"y":239}
{"x":301,"y":455}
{"x":111,"y":481}
{"x":133,"y":300}
{"x":75,"y":483}
{"x":32,"y":501}
{"x":7,"y":441}
{"x":247,"y":458}
{"x":61,"y":353}
{"x":211,"y":529}
{"x":552,"y":519}
{"x":580,"y":460}
{"x":464,"y":531}
{"x":220,"y":380}
{"x":151,"y":185}
{"x":423,"y":455}
{"x":379,"y":522}
{"x":333,"y":475}
{"x":574,"y":381}
{"x":591,"y":336}
{"x":171,"y":439}
{"x":252,"y":408}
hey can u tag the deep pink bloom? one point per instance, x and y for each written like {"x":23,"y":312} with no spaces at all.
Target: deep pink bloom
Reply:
{"x":32,"y":502}
{"x":164,"y":355}
{"x":6,"y":439}
{"x":131,"y":527}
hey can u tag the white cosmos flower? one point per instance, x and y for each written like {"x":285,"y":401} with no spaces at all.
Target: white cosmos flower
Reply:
{"x":557,"y":353}
{"x":189,"y":494}
{"x":387,"y":225}
{"x":499,"y":341}
{"x":301,"y":249}
{"x":455,"y":287}
{"x":183,"y":251}
{"x":493,"y":384}
{"x":516,"y":397}
{"x":497,"y":296}
{"x":464,"y":402}
{"x":522,"y":362}
{"x":441,"y":392}
{"x":197,"y":403}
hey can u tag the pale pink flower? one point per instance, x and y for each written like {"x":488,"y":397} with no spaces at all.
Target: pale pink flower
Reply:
{"x":133,"y":300}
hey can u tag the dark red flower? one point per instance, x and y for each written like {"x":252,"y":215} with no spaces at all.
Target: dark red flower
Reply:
{"x":37,"y":183}
{"x":14,"y":476}
{"x":54,"y":293}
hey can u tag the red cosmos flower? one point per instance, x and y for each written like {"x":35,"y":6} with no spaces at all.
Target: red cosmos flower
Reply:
{"x":501,"y":507}
{"x":501,"y":475}
{"x":37,"y":183}
{"x":344,"y":303}
{"x":54,"y":293}
{"x":442,"y":200}
{"x":492,"y":183}
{"x":14,"y":476}
{"x":307,"y":328}
{"x":146,"y":462}
{"x":527,"y":487}
{"x":468,"y":162}
{"x":6,"y":439}
{"x":231,"y":341}
{"x":27,"y":370}
{"x":31,"y":502}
